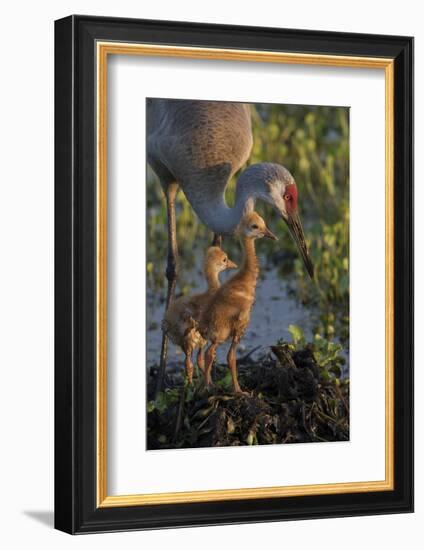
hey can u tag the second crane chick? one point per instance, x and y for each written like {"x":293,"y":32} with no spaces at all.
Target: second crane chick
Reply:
{"x":182,"y":316}
{"x":227,"y":314}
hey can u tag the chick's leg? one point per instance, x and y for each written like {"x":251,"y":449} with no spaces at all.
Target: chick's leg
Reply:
{"x":232,"y":363}
{"x":188,"y":350}
{"x":201,"y":359}
{"x":209,"y":359}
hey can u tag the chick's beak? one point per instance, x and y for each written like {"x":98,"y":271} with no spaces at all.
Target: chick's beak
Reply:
{"x":231,"y":265}
{"x":270,"y":235}
{"x":296,"y":230}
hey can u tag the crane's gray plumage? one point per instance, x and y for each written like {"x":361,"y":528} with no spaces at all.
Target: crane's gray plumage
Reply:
{"x":201,"y":145}
{"x":190,"y":139}
{"x":198,"y":146}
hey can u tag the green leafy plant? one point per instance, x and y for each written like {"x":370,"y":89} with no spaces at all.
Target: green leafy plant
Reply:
{"x":164,"y":400}
{"x":327,"y":354}
{"x":297,"y":335}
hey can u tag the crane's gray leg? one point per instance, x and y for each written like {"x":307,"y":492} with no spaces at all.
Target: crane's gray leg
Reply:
{"x":217,"y":240}
{"x":171,"y":273}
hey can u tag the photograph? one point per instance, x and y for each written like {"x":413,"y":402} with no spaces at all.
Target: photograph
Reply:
{"x":247,"y":270}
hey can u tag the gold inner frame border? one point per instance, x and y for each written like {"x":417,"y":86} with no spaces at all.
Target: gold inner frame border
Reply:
{"x":103,"y":50}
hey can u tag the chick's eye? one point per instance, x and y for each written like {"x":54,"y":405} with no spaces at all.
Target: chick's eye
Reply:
{"x":225,"y":260}
{"x":254,"y":226}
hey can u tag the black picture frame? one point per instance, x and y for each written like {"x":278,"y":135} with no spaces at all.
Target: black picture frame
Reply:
{"x":76,"y":510}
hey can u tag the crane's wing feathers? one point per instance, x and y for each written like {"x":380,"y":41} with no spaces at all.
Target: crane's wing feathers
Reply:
{"x":198,"y":142}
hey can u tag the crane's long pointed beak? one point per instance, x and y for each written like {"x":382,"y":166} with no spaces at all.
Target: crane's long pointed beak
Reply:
{"x":296,"y":230}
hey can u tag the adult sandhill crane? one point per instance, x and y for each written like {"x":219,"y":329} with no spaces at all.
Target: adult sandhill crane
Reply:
{"x":198,"y":146}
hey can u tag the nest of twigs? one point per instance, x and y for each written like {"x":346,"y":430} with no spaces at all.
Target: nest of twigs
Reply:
{"x":292,"y":400}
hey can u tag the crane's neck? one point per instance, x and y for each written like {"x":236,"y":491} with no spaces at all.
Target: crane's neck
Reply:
{"x":212,"y":208}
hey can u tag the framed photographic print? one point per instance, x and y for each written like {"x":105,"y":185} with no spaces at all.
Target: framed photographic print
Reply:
{"x":234,"y":274}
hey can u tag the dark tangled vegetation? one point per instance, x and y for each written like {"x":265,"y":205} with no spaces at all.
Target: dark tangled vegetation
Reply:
{"x":297,"y":395}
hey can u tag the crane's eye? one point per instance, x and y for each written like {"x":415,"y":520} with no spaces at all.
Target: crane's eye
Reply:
{"x":254,"y":226}
{"x":287,"y":197}
{"x":225,"y":260}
